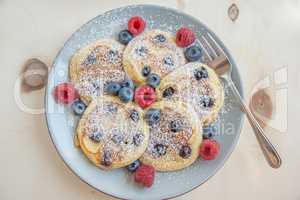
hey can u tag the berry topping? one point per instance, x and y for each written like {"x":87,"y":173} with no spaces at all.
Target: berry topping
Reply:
{"x":145,"y":175}
{"x":141,"y":51}
{"x":206,"y":102}
{"x":113,"y":88}
{"x":176,"y":125}
{"x":107,"y":158}
{"x":96,"y":136}
{"x":168,"y":92}
{"x":146,"y":71}
{"x":185,"y":151}
{"x":168,"y":61}
{"x":113,"y":56}
{"x":125,"y":37}
{"x":136,"y":25}
{"x":78,"y":107}
{"x":128,"y":83}
{"x":134,"y":166}
{"x":160,"y":149}
{"x":117,"y":138}
{"x":65,"y":93}
{"x":138,"y":139}
{"x":209,"y":149}
{"x":134,"y":115}
{"x":152,"y":116}
{"x":185,"y":37}
{"x":144,"y":96}
{"x":95,"y":86}
{"x":200,"y":73}
{"x":153,"y":80}
{"x":193,"y":53}
{"x":159,"y":38}
{"x":209,"y":131}
{"x":126,"y":94}
{"x":112,"y":108}
{"x":91,"y":59}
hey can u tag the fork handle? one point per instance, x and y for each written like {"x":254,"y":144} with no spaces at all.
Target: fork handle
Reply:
{"x":269,"y":151}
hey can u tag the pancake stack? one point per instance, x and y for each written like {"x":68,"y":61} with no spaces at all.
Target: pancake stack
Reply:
{"x":113,"y":134}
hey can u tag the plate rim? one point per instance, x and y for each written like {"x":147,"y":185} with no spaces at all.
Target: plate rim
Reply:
{"x":241,"y":90}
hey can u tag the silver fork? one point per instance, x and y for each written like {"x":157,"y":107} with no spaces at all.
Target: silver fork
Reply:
{"x":218,"y":60}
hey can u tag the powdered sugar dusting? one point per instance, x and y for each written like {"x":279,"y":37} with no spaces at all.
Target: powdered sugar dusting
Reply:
{"x":195,"y":93}
{"x":103,"y":56}
{"x":118,"y":132}
{"x":162,"y":134}
{"x":103,"y":64}
{"x":92,"y":83}
{"x":201,"y":94}
{"x":162,"y":56}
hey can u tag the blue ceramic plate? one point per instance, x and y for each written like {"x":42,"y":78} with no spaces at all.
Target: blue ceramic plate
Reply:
{"x":62,"y":123}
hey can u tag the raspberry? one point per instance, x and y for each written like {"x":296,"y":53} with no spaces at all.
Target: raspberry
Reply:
{"x":185,"y":37}
{"x":65,"y":93}
{"x":136,"y":25}
{"x":144,"y":96}
{"x":209,"y":149}
{"x":145,"y":175}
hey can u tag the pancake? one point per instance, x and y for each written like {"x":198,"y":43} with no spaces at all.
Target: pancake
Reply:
{"x":170,"y":150}
{"x":94,"y":65}
{"x":206,"y":95}
{"x":155,"y":49}
{"x":110,"y":135}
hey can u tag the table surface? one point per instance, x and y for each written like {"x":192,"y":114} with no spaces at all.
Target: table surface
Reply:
{"x":264,"y":40}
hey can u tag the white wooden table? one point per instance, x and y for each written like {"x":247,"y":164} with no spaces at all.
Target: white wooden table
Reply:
{"x":265,"y":38}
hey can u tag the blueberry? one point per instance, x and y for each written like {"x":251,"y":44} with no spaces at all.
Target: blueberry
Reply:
{"x":206,"y":102}
{"x":200,"y":73}
{"x":107,"y":158}
{"x":134,"y":166}
{"x":126,"y":94}
{"x":113,"y":56}
{"x":141,"y":51}
{"x":117,"y":138}
{"x":125,"y":37}
{"x":91,"y":59}
{"x":112,"y":108}
{"x":160,"y":38}
{"x":95,"y":85}
{"x":78,"y":107}
{"x":146,"y":71}
{"x":185,"y":151}
{"x":134,"y":115}
{"x":96,"y":136}
{"x":113,"y":88}
{"x":209,"y":131}
{"x":153,"y":80}
{"x":128,"y":83}
{"x":168,"y":92}
{"x":138,"y":139}
{"x":193,"y":53}
{"x":160,"y":149}
{"x":152,"y":116}
{"x":168,"y":61}
{"x":176,"y":125}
